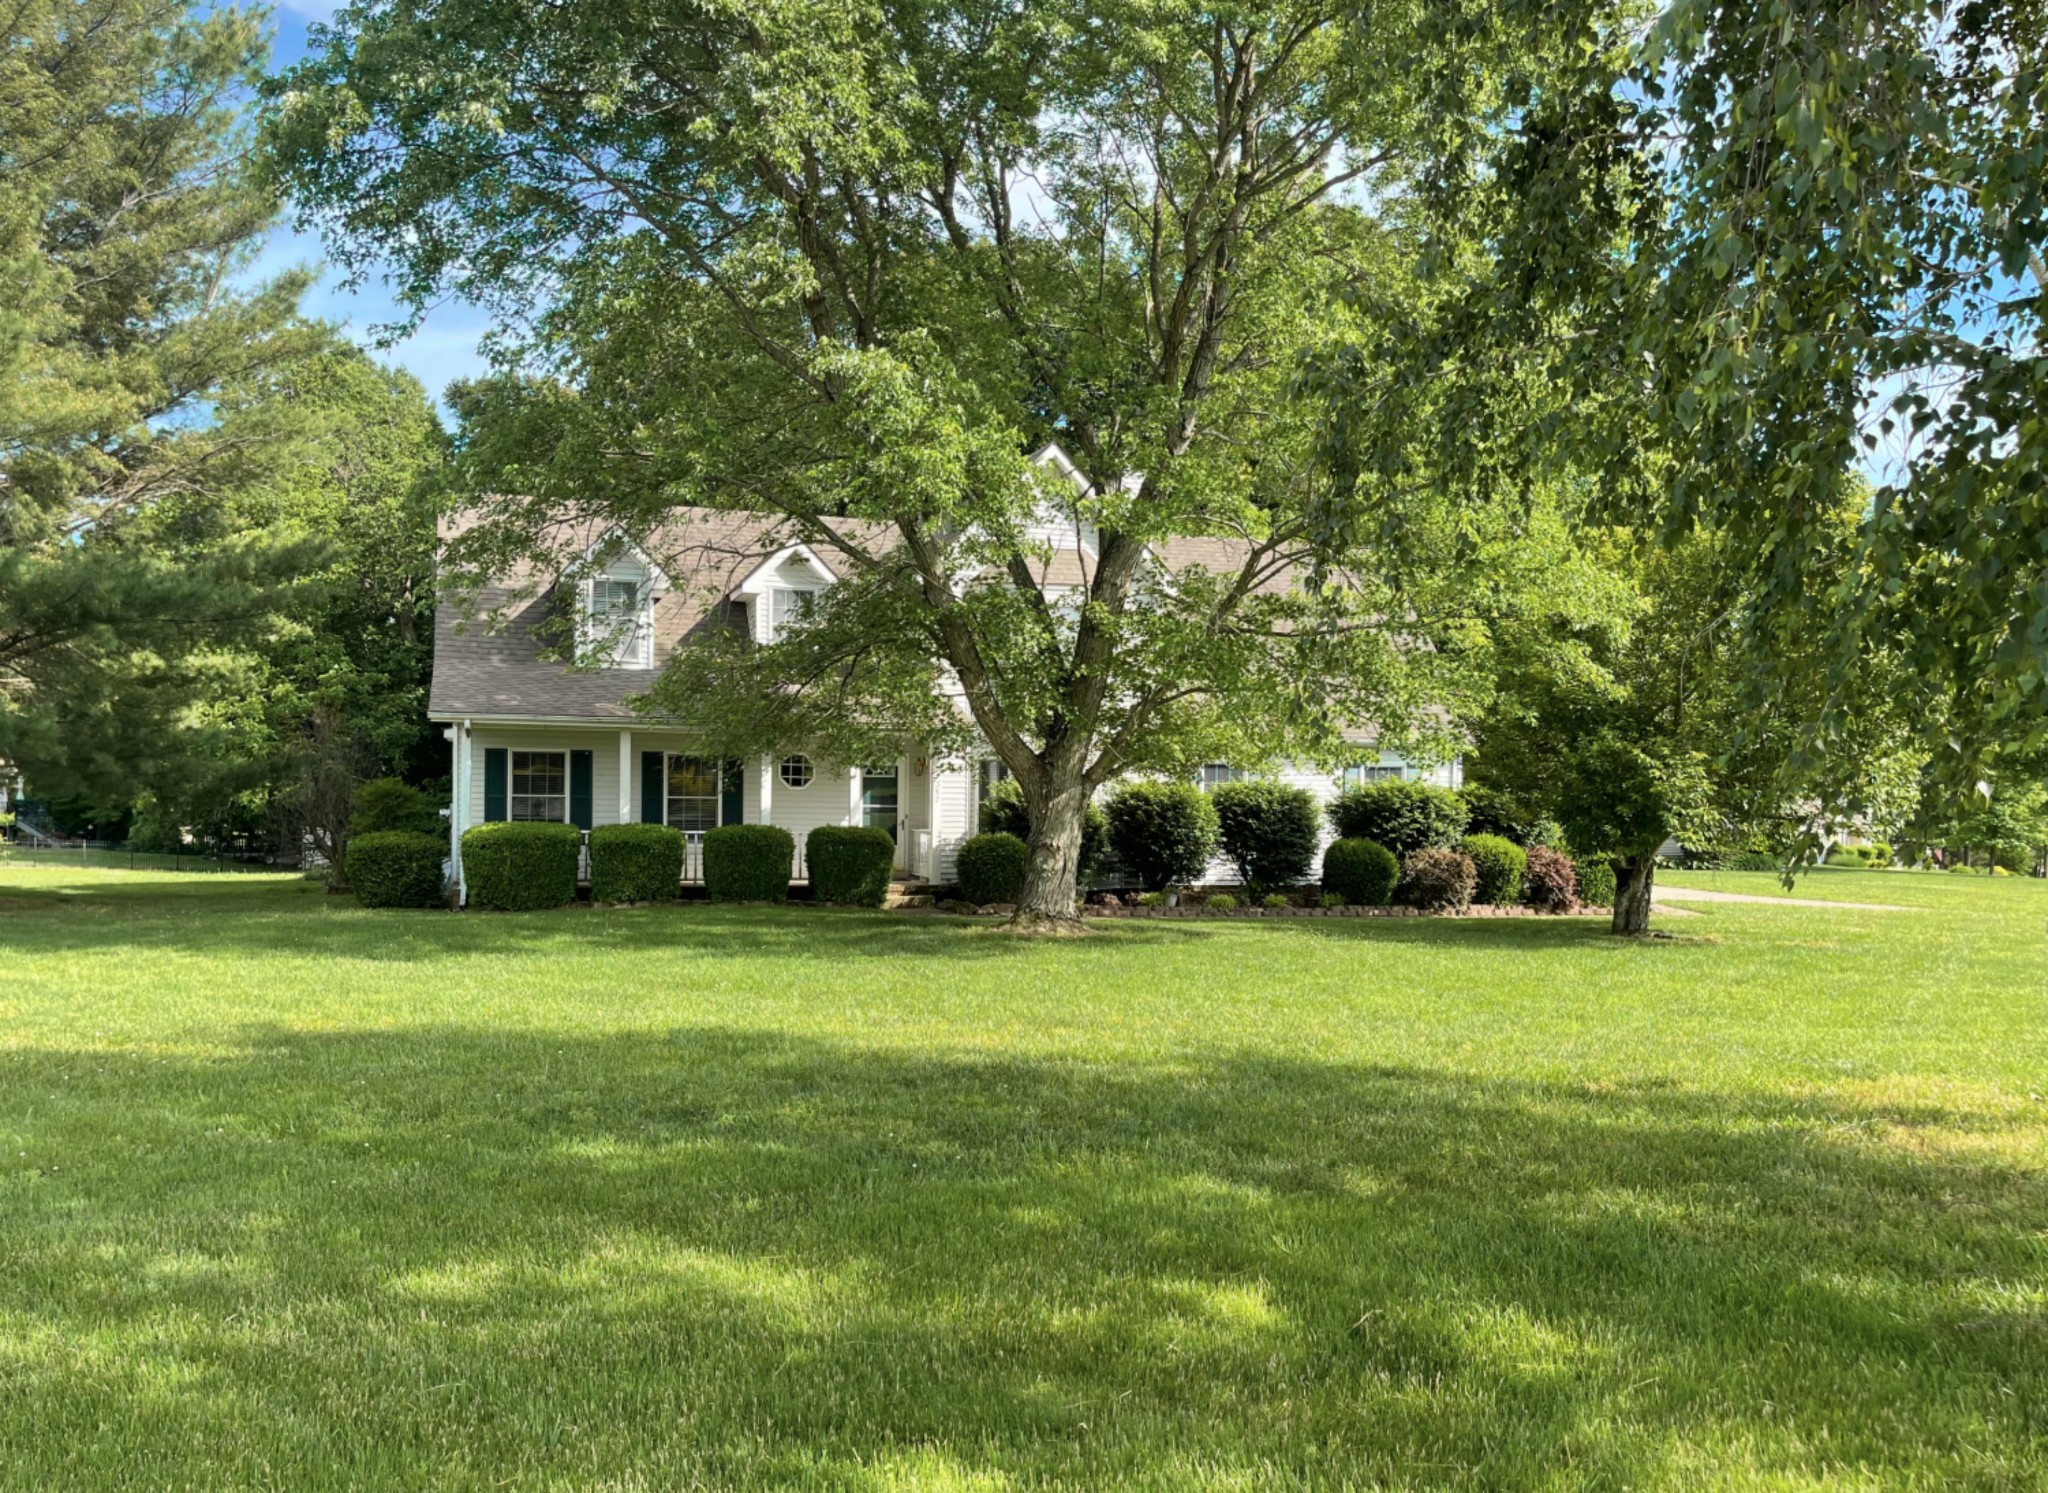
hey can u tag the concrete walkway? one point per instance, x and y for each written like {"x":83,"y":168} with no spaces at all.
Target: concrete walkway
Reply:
{"x":1701,"y":894}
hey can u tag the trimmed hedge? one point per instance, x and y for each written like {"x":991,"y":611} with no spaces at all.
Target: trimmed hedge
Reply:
{"x":1268,"y":830}
{"x":1500,"y":863}
{"x":635,"y":863}
{"x":1400,"y":815}
{"x":748,"y":863}
{"x":1596,"y":880}
{"x":990,"y":868}
{"x":517,"y":867}
{"x":1003,"y":813}
{"x":397,"y":868}
{"x":1164,"y":833}
{"x":1362,"y":872}
{"x":1549,"y":882}
{"x":1438,"y":880}
{"x":850,"y":864}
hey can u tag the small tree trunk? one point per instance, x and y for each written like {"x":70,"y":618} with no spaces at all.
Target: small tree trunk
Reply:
{"x":1633,"y":875}
{"x":1051,"y":876}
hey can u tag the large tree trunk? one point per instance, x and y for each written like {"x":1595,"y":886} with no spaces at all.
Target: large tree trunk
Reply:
{"x":1051,"y":876}
{"x":1632,"y":878}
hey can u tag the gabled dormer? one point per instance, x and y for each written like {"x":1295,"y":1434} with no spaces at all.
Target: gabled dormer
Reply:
{"x":780,"y":588}
{"x":614,"y":584}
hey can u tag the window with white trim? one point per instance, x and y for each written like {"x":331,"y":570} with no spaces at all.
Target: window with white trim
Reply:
{"x":617,"y":626}
{"x":1373,"y":772}
{"x":540,"y":787}
{"x":692,"y":794}
{"x":1214,"y":773}
{"x":795,"y":771}
{"x":787,"y":604}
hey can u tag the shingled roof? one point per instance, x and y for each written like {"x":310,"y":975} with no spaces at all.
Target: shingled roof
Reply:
{"x":488,"y":645}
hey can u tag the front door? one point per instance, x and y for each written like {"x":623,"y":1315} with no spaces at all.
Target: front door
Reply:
{"x":878,"y":798}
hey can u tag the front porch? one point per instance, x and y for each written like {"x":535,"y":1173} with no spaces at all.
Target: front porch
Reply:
{"x":589,"y":776}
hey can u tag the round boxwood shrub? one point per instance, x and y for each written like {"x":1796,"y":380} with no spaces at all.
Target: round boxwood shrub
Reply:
{"x":1164,"y":833}
{"x":1361,"y":872}
{"x":1438,"y":880}
{"x":1003,"y":813}
{"x":518,"y":867}
{"x":1596,"y":880}
{"x":1500,"y":863}
{"x":1549,"y":882}
{"x":748,"y":863}
{"x":850,"y":864}
{"x":1400,"y":815}
{"x":990,"y":868}
{"x":635,"y":863}
{"x":1268,"y":830}
{"x":396,"y":868}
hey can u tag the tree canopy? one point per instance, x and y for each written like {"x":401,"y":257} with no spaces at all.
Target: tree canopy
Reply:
{"x":854,"y":265}
{"x":1757,"y":250}
{"x":186,"y":462}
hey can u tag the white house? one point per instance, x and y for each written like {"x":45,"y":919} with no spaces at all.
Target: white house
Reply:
{"x":537,"y":739}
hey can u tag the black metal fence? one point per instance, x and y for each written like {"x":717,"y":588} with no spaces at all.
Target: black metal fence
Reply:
{"x":109,"y":855}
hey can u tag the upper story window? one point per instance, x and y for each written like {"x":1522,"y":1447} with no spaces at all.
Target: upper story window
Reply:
{"x":787,"y":604}
{"x":617,"y":625}
{"x":1214,"y":773}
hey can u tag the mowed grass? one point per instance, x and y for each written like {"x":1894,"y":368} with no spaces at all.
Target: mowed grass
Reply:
{"x":298,"y":1196}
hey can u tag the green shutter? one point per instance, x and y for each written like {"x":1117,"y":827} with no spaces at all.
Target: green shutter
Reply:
{"x":733,"y":782}
{"x":582,"y":769}
{"x":495,"y":774}
{"x":652,"y":809}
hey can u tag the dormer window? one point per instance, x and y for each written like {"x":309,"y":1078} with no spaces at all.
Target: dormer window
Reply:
{"x":788,"y":604}
{"x":617,"y":625}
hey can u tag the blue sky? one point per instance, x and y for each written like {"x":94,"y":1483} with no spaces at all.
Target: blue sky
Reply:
{"x":445,"y":346}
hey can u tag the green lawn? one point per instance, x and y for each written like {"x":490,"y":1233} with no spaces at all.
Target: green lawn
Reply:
{"x":297,"y":1196}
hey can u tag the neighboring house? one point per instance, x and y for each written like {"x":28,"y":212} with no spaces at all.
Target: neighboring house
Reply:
{"x":539,"y":739}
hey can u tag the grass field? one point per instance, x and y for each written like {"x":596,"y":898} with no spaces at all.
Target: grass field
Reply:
{"x":296,"y":1196}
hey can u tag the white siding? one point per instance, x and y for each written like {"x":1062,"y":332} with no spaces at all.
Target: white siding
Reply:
{"x":801,"y":810}
{"x":1326,"y":786}
{"x":953,"y":804}
{"x":603,"y":746}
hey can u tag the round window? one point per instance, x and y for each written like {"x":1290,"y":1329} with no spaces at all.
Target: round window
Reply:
{"x":796,"y":771}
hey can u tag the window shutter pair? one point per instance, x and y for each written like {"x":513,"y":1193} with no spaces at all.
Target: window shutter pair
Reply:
{"x":497,"y":775}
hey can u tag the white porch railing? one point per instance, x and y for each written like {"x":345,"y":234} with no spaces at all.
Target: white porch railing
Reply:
{"x":693,"y":858}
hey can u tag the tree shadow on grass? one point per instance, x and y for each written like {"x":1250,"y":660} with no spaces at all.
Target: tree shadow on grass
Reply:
{"x":298,"y":921}
{"x":448,"y":1255}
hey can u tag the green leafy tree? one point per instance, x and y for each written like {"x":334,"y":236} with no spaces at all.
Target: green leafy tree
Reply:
{"x":1660,"y":690}
{"x":1753,"y":246}
{"x":335,"y":692}
{"x":851,"y":265}
{"x":132,"y":371}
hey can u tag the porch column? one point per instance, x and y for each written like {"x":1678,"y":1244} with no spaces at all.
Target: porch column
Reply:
{"x":458,"y":807}
{"x":767,"y":790}
{"x":853,"y":795}
{"x":626,"y":777}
